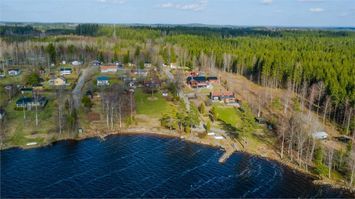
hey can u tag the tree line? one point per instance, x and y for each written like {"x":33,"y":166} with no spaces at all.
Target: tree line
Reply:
{"x":279,"y":58}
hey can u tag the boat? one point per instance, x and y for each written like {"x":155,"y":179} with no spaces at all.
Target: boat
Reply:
{"x":31,"y":143}
{"x":217,"y":137}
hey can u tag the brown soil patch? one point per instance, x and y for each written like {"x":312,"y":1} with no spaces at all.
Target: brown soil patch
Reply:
{"x":92,"y":116}
{"x":152,"y":98}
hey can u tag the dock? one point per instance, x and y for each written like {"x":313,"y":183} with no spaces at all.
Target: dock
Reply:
{"x":230,"y":147}
{"x":226,"y":155}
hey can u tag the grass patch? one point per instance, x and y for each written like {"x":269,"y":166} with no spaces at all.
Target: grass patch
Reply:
{"x":228,"y":115}
{"x":150,"y":105}
{"x":20,"y":131}
{"x":276,"y":103}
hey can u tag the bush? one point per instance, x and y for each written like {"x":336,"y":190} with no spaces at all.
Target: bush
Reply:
{"x":86,"y":101}
{"x":202,"y":108}
{"x":129,"y":121}
{"x":187,"y":129}
{"x":276,"y":103}
{"x":208,"y":126}
{"x":321,"y":169}
{"x":32,"y":79}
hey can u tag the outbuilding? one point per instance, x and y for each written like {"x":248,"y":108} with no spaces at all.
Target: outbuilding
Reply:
{"x":320,"y":135}
{"x":57,"y":81}
{"x":2,"y":113}
{"x":14,"y":72}
{"x":65,"y":71}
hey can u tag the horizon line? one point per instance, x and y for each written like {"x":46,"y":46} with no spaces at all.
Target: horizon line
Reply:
{"x":179,"y":24}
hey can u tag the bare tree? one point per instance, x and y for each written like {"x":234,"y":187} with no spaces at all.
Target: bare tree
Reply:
{"x":203,"y":60}
{"x":321,"y":88}
{"x":327,"y":106}
{"x":179,"y":79}
{"x":312,"y":94}
{"x":60,"y":103}
{"x":349,"y":116}
{"x":36,"y":103}
{"x":330,"y":160}
{"x":292,"y":129}
{"x":282,"y":130}
{"x":351,"y":165}
{"x":227,"y":61}
{"x":303,"y":93}
{"x":287,"y":96}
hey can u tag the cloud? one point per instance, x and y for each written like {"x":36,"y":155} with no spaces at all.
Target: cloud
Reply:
{"x":195,"y":6}
{"x":167,"y":5}
{"x":267,"y":2}
{"x":112,"y":1}
{"x":316,"y":9}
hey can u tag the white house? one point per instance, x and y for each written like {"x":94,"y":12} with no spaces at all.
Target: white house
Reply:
{"x":102,"y":81}
{"x":57,"y":81}
{"x":65,"y":71}
{"x":14,"y":72}
{"x":76,"y":63}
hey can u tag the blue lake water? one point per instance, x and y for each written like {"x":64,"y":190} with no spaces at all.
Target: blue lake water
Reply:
{"x":147,"y":166}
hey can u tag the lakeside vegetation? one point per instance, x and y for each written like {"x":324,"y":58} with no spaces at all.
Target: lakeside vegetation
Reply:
{"x":309,"y":69}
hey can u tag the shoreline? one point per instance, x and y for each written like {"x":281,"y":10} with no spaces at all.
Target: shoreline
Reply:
{"x":317,"y":180}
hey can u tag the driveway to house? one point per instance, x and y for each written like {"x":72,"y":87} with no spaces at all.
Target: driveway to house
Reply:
{"x":180,"y":93}
{"x":84,"y":76}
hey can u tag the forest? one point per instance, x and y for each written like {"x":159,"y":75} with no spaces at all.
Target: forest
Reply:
{"x":309,"y":61}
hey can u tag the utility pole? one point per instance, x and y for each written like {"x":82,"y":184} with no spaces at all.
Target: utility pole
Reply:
{"x":131,"y":106}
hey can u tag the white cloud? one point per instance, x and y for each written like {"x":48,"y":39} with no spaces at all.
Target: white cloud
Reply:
{"x":194,"y":6}
{"x":166,"y":5}
{"x":266,"y":2}
{"x":316,"y":9}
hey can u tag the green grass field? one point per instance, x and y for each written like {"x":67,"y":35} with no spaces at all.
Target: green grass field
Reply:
{"x":19,"y":131}
{"x":228,"y":115}
{"x":148,"y":104}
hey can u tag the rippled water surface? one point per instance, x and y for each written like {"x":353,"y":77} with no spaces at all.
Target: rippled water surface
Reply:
{"x":145,"y":166}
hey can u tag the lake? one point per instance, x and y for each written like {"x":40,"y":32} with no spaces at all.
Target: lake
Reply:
{"x":147,"y":166}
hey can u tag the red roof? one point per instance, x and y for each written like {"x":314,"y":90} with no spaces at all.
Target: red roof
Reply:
{"x":108,"y":67}
{"x":222,"y":93}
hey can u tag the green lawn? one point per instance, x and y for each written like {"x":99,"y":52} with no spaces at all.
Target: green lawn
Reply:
{"x":228,"y":115}
{"x":148,"y":104}
{"x":20,"y":131}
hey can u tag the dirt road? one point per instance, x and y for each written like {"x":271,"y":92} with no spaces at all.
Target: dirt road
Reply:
{"x":84,"y":77}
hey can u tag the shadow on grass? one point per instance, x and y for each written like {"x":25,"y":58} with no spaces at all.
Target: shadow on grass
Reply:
{"x":232,"y":132}
{"x":266,"y":138}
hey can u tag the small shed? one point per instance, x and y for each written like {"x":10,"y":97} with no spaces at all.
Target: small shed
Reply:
{"x":26,"y":91}
{"x":65,"y":71}
{"x":320,"y":135}
{"x":2,"y":113}
{"x":14,"y":72}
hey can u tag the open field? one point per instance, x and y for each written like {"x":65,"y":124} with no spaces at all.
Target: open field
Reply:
{"x":151,"y":105}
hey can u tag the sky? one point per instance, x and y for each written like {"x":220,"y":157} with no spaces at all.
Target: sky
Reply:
{"x":319,"y":13}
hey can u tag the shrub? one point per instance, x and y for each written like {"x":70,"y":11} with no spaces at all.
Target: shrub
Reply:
{"x":86,"y":101}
